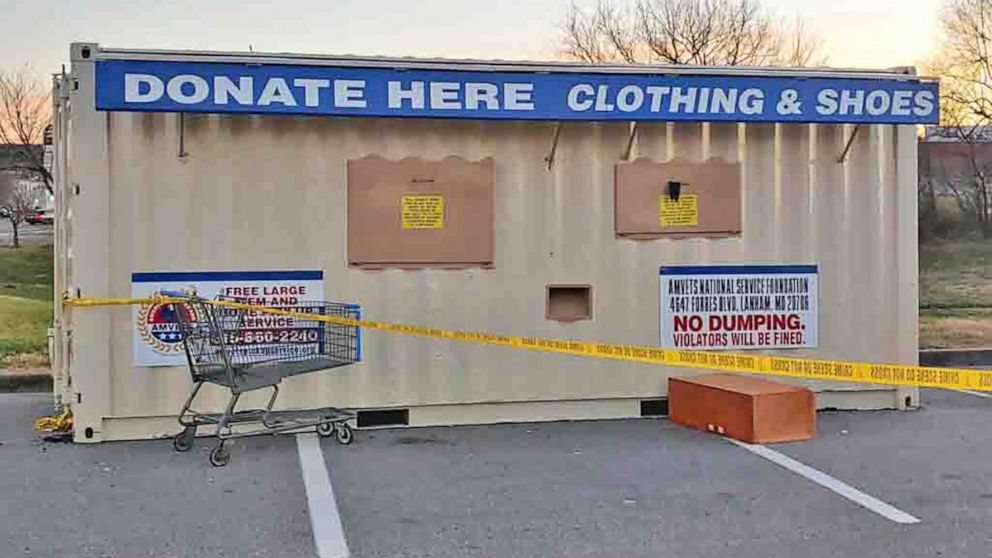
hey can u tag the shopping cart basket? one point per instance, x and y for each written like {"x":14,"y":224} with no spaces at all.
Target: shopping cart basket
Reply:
{"x":225,"y":346}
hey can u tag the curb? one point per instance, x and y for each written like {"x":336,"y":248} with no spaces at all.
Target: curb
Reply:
{"x":956,"y":357}
{"x":25,"y":383}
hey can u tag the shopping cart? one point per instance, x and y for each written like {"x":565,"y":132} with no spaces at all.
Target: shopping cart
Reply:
{"x":225,"y":346}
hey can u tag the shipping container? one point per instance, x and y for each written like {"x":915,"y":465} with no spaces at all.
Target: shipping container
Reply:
{"x":156,"y":190}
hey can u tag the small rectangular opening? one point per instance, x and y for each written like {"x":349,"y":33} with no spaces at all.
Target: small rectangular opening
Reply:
{"x":388,"y":417}
{"x":654,"y":407}
{"x":569,"y":303}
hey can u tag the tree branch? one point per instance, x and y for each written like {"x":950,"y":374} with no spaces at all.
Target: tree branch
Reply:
{"x":701,"y":32}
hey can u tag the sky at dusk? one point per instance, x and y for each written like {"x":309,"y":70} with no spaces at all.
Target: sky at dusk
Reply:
{"x":856,"y":33}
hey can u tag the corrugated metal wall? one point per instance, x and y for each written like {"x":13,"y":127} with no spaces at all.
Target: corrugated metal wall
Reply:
{"x":270,"y":193}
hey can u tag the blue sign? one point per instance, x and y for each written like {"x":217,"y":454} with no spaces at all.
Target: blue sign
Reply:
{"x":333,"y":91}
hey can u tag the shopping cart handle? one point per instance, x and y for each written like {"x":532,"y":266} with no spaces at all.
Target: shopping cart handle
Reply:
{"x":174,"y":294}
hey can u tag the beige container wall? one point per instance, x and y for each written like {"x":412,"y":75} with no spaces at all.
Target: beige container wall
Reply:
{"x":270,"y":193}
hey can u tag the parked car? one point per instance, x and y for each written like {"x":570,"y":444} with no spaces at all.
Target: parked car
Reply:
{"x":40,"y":216}
{"x":4,"y":213}
{"x":33,"y":217}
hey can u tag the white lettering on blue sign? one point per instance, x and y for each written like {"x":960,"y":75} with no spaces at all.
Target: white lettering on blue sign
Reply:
{"x":234,"y":88}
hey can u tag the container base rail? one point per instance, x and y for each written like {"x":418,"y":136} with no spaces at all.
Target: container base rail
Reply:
{"x":220,"y":350}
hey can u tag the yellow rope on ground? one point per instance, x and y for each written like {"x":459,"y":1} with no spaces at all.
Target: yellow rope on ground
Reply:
{"x":60,"y":423}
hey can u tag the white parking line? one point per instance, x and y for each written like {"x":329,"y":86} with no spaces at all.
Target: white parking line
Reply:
{"x":825,"y":480}
{"x":325,"y":521}
{"x":978,"y":393}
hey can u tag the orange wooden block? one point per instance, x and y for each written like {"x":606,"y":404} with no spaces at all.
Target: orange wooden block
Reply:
{"x":744,"y":408}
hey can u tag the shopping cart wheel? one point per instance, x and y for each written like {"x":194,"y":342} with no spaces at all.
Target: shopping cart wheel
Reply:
{"x":219,"y":456}
{"x":325,"y":429}
{"x":184,"y":440}
{"x":343,"y":433}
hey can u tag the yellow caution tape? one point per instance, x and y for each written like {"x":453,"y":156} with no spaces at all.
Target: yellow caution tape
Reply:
{"x":833,"y":370}
{"x":60,"y":423}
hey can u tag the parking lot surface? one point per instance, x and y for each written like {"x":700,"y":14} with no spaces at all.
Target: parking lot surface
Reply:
{"x":609,"y":488}
{"x":140,"y":499}
{"x":28,"y":234}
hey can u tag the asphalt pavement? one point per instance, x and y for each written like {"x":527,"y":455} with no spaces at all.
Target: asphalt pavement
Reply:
{"x":138,"y":499}
{"x":28,"y":234}
{"x":650,"y":488}
{"x":592,"y":489}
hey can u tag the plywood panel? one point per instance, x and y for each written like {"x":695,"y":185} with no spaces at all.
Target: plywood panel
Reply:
{"x":417,"y":213}
{"x":713,"y":187}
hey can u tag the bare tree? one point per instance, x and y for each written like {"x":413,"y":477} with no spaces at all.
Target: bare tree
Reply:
{"x":965,"y":66}
{"x":25,"y":111}
{"x":798,"y":47}
{"x":16,"y":202}
{"x":927,"y":214}
{"x":699,"y":32}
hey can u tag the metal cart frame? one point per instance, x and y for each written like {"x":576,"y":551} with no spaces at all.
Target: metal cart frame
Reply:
{"x":220,"y":350}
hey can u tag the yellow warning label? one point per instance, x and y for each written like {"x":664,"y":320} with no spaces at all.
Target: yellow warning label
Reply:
{"x":683,"y":212}
{"x":423,"y":212}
